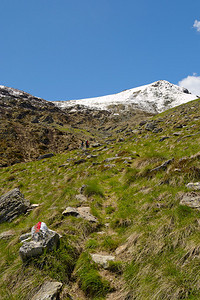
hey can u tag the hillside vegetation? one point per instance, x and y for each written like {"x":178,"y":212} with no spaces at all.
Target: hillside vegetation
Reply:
{"x":133,"y":186}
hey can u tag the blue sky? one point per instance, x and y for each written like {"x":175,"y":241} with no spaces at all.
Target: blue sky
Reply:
{"x":73,"y":49}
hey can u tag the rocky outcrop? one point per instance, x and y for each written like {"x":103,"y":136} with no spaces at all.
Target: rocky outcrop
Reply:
{"x":42,"y":239}
{"x":12,"y":204}
{"x":50,"y":290}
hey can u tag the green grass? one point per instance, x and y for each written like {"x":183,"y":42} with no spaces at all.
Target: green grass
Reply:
{"x":89,"y":279}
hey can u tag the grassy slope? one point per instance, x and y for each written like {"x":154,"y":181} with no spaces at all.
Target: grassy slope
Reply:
{"x":161,"y":237}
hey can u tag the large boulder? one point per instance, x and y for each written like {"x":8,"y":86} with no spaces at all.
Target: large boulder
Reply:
{"x":50,"y":290}
{"x":42,"y":239}
{"x":12,"y":204}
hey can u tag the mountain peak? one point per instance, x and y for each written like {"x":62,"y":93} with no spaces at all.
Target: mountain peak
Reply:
{"x":153,"y":98}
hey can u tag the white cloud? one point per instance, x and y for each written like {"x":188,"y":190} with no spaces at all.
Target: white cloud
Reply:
{"x":197,"y":25}
{"x":192,"y":83}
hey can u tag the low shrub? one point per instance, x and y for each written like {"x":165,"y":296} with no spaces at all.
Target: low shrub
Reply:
{"x":93,"y":188}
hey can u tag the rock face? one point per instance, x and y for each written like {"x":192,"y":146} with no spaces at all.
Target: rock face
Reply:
{"x":191,"y":199}
{"x":12,"y":204}
{"x":42,"y":238}
{"x":50,"y":290}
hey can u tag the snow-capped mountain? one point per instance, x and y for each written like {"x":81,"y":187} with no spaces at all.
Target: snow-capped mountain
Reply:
{"x":154,"y":98}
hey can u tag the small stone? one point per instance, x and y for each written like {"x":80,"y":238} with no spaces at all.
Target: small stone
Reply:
{"x":142,"y":123}
{"x":50,"y":290}
{"x":110,"y":159}
{"x":110,"y":166}
{"x":80,"y":212}
{"x":81,"y":198}
{"x":85,"y":214}
{"x":82,"y":188}
{"x":64,"y":165}
{"x":103,"y":260}
{"x":157,"y":130}
{"x":96,"y":145}
{"x":193,"y":186}
{"x":191,"y":199}
{"x":48,"y":155}
{"x":121,"y":249}
{"x":70,"y":211}
{"x":80,"y":161}
{"x":164,"y":138}
{"x":150,"y":126}
{"x":7,"y":235}
{"x":34,"y":205}
{"x":163,"y":166}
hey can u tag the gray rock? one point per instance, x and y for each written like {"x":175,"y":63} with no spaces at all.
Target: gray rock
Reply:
{"x":80,"y":212}
{"x":7,"y":235}
{"x":193,"y":185}
{"x":157,"y":130}
{"x":110,"y":159}
{"x":26,"y":236}
{"x":163,"y":166}
{"x":64,"y":165}
{"x":177,"y":133}
{"x":163,"y":138}
{"x":48,"y":155}
{"x":81,"y":198}
{"x":96,"y":145}
{"x":85,"y":214}
{"x":41,"y":240}
{"x":12,"y":204}
{"x":80,"y":161}
{"x":191,"y":199}
{"x":50,"y":290}
{"x":150,"y":126}
{"x":82,"y":188}
{"x":142,"y":123}
{"x":121,"y":249}
{"x":71,"y":211}
{"x":102,"y":260}
{"x":110,"y":166}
